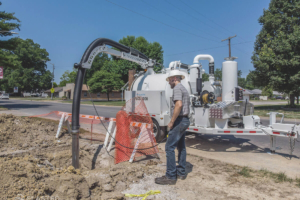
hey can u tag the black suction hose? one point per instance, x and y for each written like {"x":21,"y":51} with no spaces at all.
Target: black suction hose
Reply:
{"x":78,"y":89}
{"x":75,"y":117}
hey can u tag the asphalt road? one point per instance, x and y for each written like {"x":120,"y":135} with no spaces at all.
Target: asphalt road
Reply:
{"x":260,"y":143}
{"x":39,"y":107}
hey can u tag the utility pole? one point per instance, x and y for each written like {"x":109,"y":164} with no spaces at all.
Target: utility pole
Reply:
{"x":229,"y":44}
{"x":52,"y":79}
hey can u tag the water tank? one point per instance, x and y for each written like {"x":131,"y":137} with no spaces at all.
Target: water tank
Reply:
{"x":157,"y":82}
{"x":229,"y":77}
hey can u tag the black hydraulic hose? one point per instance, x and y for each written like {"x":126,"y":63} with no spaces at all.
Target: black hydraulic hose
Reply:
{"x":211,"y":68}
{"x":245,"y":107}
{"x":199,"y":83}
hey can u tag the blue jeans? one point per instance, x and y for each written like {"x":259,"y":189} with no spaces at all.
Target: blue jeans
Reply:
{"x":177,"y":139}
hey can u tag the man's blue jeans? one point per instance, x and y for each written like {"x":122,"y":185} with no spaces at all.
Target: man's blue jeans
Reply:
{"x":175,"y":139}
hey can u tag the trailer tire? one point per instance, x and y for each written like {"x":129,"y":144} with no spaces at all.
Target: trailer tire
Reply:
{"x":158,"y":131}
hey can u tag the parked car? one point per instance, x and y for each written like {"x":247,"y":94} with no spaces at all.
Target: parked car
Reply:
{"x":4,"y":96}
{"x":279,"y":97}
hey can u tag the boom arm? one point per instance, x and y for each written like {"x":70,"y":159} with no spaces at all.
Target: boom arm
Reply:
{"x":96,"y":47}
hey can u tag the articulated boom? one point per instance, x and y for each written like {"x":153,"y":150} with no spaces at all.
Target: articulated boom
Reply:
{"x":119,"y":54}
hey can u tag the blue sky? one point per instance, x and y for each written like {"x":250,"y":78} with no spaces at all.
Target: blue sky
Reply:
{"x":65,"y":28}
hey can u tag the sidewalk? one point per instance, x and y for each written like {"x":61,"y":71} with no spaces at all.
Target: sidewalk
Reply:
{"x":244,"y":155}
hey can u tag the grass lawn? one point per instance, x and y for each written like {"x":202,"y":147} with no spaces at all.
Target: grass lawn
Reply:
{"x":3,"y":108}
{"x":100,"y":103}
{"x":291,"y":113}
{"x":34,"y":98}
{"x":268,"y":100}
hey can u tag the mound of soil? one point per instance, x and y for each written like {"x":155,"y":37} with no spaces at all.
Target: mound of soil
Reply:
{"x":33,"y":164}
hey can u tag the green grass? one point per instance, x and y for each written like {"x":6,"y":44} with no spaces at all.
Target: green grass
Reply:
{"x":3,"y":108}
{"x":278,"y":177}
{"x":297,"y":182}
{"x":34,"y":98}
{"x":269,"y":100}
{"x":290,"y":113}
{"x":100,"y":103}
{"x":245,"y":171}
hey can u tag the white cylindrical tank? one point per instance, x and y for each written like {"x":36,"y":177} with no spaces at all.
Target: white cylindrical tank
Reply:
{"x":157,"y":82}
{"x":229,"y":77}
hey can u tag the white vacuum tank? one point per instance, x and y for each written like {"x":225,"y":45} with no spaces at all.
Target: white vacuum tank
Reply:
{"x":229,"y":77}
{"x":157,"y":82}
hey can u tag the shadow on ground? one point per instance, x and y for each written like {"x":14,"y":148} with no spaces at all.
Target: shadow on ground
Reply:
{"x":228,"y":143}
{"x":14,"y":106}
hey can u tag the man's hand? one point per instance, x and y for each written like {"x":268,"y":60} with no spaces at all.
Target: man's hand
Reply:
{"x":170,"y":125}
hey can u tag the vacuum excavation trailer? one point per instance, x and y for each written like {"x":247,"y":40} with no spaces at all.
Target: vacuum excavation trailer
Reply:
{"x":231,"y":116}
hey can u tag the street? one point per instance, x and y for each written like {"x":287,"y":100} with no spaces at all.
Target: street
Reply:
{"x":261,"y":143}
{"x":29,"y":108}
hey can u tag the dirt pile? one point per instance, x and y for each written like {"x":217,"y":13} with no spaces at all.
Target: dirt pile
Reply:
{"x":35,"y":164}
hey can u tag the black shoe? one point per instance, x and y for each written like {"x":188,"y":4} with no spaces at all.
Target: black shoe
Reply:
{"x":165,"y":181}
{"x":181,"y":177}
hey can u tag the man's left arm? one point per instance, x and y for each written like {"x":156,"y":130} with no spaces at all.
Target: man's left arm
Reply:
{"x":177,"y":110}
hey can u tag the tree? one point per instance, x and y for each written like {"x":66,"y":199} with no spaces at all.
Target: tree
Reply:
{"x":32,"y":74}
{"x":103,"y":81}
{"x":55,"y":84}
{"x":8,"y":23}
{"x":249,"y":81}
{"x":276,"y":56}
{"x":205,"y":77}
{"x":241,"y":81}
{"x":120,"y":66}
{"x":218,"y":74}
{"x":267,"y":91}
{"x":97,"y":64}
{"x":67,"y":77}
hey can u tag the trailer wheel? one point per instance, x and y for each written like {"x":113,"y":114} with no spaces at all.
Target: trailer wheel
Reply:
{"x":158,"y":131}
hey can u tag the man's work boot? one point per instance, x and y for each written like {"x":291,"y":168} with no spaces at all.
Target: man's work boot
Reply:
{"x":165,"y":181}
{"x":181,"y":177}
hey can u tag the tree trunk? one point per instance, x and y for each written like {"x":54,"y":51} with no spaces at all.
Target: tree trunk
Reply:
{"x":292,"y":100}
{"x":107,"y":96}
{"x":297,"y":98}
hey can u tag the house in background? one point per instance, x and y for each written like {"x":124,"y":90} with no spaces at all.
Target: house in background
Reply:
{"x":68,"y":91}
{"x":256,"y":93}
{"x":56,"y":94}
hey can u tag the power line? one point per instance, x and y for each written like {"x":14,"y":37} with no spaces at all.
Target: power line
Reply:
{"x":176,"y":18}
{"x":208,"y":18}
{"x":179,"y":19}
{"x":191,"y":16}
{"x":205,"y":49}
{"x":160,"y":21}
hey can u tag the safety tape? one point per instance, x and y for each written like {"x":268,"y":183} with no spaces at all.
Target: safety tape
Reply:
{"x":151,"y":192}
{"x":90,"y":116}
{"x":137,"y":124}
{"x":131,"y":113}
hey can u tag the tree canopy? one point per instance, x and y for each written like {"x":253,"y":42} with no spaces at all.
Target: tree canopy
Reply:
{"x":106,"y":82}
{"x":32,"y":73}
{"x":276,"y":56}
{"x":120,"y":66}
{"x":67,"y":77}
{"x":8,"y":23}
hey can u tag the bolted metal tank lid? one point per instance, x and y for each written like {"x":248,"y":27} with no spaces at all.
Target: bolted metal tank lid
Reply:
{"x":230,"y":58}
